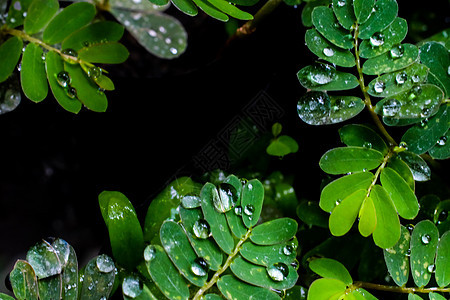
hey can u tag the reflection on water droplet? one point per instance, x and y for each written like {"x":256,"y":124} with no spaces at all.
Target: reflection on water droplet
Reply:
{"x":431,"y":268}
{"x":201,"y":229}
{"x":391,"y":107}
{"x":321,"y":74}
{"x":174,"y":51}
{"x":105,"y":263}
{"x":403,"y":145}
{"x":426,"y":238}
{"x":397,"y":51}
{"x":71,"y":92}
{"x":73,"y":55}
{"x":328,"y":52}
{"x":448,"y":70}
{"x":249,"y":209}
{"x":408,"y":252}
{"x":63,"y":79}
{"x":238,"y":210}
{"x":442,"y":141}
{"x":390,"y":121}
{"x":341,"y":3}
{"x":367,"y":145}
{"x":190,"y":201}
{"x":415,"y":78}
{"x":227,"y":197}
{"x":200,"y":266}
{"x":442,"y":216}
{"x":288,"y":249}
{"x":401,"y":78}
{"x":295,"y":264}
{"x":338,"y":201}
{"x":94,"y":72}
{"x":377,"y":39}
{"x":149,"y":253}
{"x":152,"y":33}
{"x":131,"y":286}
{"x":278,"y":271}
{"x":162,"y":29}
{"x":410,"y":227}
{"x":379,"y":86}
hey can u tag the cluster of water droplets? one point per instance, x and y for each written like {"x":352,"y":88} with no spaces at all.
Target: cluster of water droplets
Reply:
{"x":64,"y":80}
{"x":191,"y":201}
{"x":104,"y":263}
{"x":321,"y":74}
{"x":391,"y":107}
{"x":132,"y":286}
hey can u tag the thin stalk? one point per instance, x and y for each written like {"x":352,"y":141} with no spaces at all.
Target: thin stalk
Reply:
{"x":222,"y":269}
{"x":262,"y":13}
{"x":397,"y":289}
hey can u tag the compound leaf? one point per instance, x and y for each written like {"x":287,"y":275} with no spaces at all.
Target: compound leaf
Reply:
{"x":436,"y":57}
{"x":442,"y":272}
{"x":252,"y":199}
{"x":236,"y":289}
{"x":274,"y":232}
{"x":330,"y":268}
{"x":324,"y":20}
{"x":350,"y":159}
{"x":397,"y":258}
{"x":405,"y":55}
{"x":10,"y":52}
{"x":384,"y":14}
{"x":39,"y":14}
{"x":387,"y":231}
{"x":32,"y":74}
{"x":344,"y":214}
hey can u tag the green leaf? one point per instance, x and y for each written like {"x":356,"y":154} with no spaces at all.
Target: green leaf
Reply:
{"x":5,"y":297}
{"x":23,"y":281}
{"x":326,"y":288}
{"x":397,"y":258}
{"x":233,"y":288}
{"x":32,"y":74}
{"x":442,"y":149}
{"x":44,"y":260}
{"x":216,"y":220}
{"x":387,"y":231}
{"x":404,"y":199}
{"x":367,"y":218}
{"x":282,"y":145}
{"x":414,"y":297}
{"x":350,"y":159}
{"x":70,"y":276}
{"x":104,"y":53}
{"x":258,"y":275}
{"x":422,"y":101}
{"x":393,"y":83}
{"x":164,"y":273}
{"x":363,"y":9}
{"x":442,"y":272}
{"x":384,"y":14}
{"x":436,"y":57}
{"x":330,"y":268}
{"x":419,"y":168}
{"x":362,"y":294}
{"x":252,"y":199}
{"x":324,"y":49}
{"x":435,"y":296}
{"x":160,"y":207}
{"x":269,"y":255}
{"x":55,"y":65}
{"x":362,"y":136}
{"x":39,"y":14}
{"x":211,"y":10}
{"x":180,"y":252}
{"x":424,"y":241}
{"x":205,"y":248}
{"x":125,"y":232}
{"x":324,"y":20}
{"x":98,"y":278}
{"x":317,"y":108}
{"x":403,"y":170}
{"x":233,"y":216}
{"x":420,"y":138}
{"x":324,"y":77}
{"x":310,"y":213}
{"x":17,"y":9}
{"x":403,"y":56}
{"x":274,"y":232}
{"x":10,"y":52}
{"x":186,"y":6}
{"x":344,"y":13}
{"x":343,"y":187}
{"x":95,"y":33}
{"x":308,"y":9}
{"x":103,"y":82}
{"x":344,"y":215}
{"x":231,"y":9}
{"x":50,"y":287}
{"x":70,"y":19}
{"x":388,"y":38}
{"x":212,"y":297}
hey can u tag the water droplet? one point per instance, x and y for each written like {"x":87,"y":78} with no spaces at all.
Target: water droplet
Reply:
{"x":63,"y":79}
{"x":149,"y":253}
{"x":426,"y":238}
{"x":321,"y":74}
{"x":104,"y":263}
{"x":442,"y":141}
{"x":200,"y":266}
{"x":377,"y":39}
{"x":227,"y":197}
{"x":295,"y":264}
{"x":70,"y":55}
{"x":190,"y":201}
{"x":410,"y":227}
{"x":287,"y":250}
{"x":162,"y":29}
{"x":71,"y":92}
{"x":152,"y":33}
{"x":17,"y":5}
{"x":408,"y":252}
{"x":391,"y":107}
{"x":426,"y":112}
{"x":94,"y":72}
{"x":201,"y":229}
{"x":341,"y":3}
{"x":168,"y":40}
{"x":401,"y":78}
{"x":238,"y":210}
{"x":431,"y":268}
{"x":338,"y":201}
{"x":328,"y":52}
{"x":403,"y":145}
{"x":448,"y":70}
{"x":424,"y":123}
{"x":415,"y":78}
{"x":379,"y":87}
{"x":131,"y":286}
{"x":397,"y":51}
{"x":367,"y":145}
{"x":278,"y":271}
{"x":442,"y":216}
{"x":249,"y":209}
{"x":174,"y":51}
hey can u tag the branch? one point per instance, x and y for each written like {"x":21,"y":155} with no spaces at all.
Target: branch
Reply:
{"x":398,"y":289}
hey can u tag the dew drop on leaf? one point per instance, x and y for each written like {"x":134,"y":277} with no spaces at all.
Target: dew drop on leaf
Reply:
{"x":190,"y":201}
{"x":341,"y":3}
{"x":379,"y":87}
{"x":238,"y":210}
{"x":278,"y":271}
{"x":9,"y":96}
{"x":328,"y":52}
{"x":200,"y":266}
{"x":401,"y":78}
{"x":71,"y":92}
{"x":391,"y":107}
{"x":408,"y":252}
{"x":426,"y":238}
{"x":377,"y":39}
{"x":227,"y":198}
{"x":415,"y":78}
{"x":431,"y":268}
{"x":201,"y":229}
{"x":442,"y":141}
{"x":149,"y":253}
{"x":72,"y":59}
{"x":94,"y":72}
{"x":63,"y":79}
{"x":287,"y":250}
{"x":367,"y":145}
{"x":397,"y":51}
{"x":403,"y":145}
{"x":423,"y":123}
{"x":173,"y":50}
{"x":105,"y":263}
{"x":442,"y":216}
{"x":321,"y":74}
{"x":249,"y":209}
{"x":131,"y":286}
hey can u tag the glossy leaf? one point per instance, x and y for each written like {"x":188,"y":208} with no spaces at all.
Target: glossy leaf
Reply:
{"x":269,"y":255}
{"x":362,"y":136}
{"x":252,"y":199}
{"x":414,"y":297}
{"x":367,"y":218}
{"x":324,"y":21}
{"x":104,"y":53}
{"x":15,"y":16}
{"x":98,"y":278}
{"x":344,"y":13}
{"x":281,"y":146}
{"x":424,"y":241}
{"x":363,"y":9}
{"x":390,"y":84}
{"x":350,"y":159}
{"x":10,"y":95}
{"x":23,"y":281}
{"x":397,"y":258}
{"x":212,"y":297}
{"x":211,"y":10}
{"x":124,"y":230}
{"x":384,"y":14}
{"x":236,"y":289}
{"x":344,"y":214}
{"x":310,"y":213}
{"x":387,"y":231}
{"x":308,"y":9}
{"x":403,"y":170}
{"x":186,"y":6}
{"x":231,"y":10}
{"x":420,"y":138}
{"x":274,"y":232}
{"x":39,"y":14}
{"x":324,"y":77}
{"x":442,"y":148}
{"x":436,"y":296}
{"x":330,"y":268}
{"x":326,"y":288}
{"x":5,"y":297}
{"x":422,"y":101}
{"x":95,"y":33}
{"x":180,"y":252}
{"x":50,"y":287}
{"x":44,"y":260}
{"x":386,"y":62}
{"x":164,"y":274}
{"x":419,"y":168}
{"x":54,"y":65}
{"x":393,"y":35}
{"x":70,"y":276}
{"x":10,"y":52}
{"x":234,"y":216}
{"x":343,"y":187}
{"x":317,"y":108}
{"x":258,"y":275}
{"x":217,"y":221}
{"x":32,"y":73}
{"x":436,"y":57}
{"x":79,"y":14}
{"x":442,"y":272}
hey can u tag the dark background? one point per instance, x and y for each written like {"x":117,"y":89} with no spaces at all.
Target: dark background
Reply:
{"x":162,"y":114}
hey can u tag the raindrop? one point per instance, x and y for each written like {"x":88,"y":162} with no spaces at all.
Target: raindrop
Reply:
{"x":410,"y":227}
{"x":168,"y":40}
{"x":227,"y":197}
{"x":431,"y":268}
{"x":442,"y":141}
{"x":408,"y":252}
{"x":295,"y":264}
{"x":94,"y":72}
{"x":401,"y":78}
{"x":105,"y":263}
{"x":249,"y":209}
{"x":415,"y":78}
{"x":338,"y":201}
{"x":238,"y":210}
{"x":17,"y":5}
{"x":288,"y":249}
{"x":426,"y":238}
{"x":391,"y":107}
{"x":19,"y":67}
{"x":321,"y":74}
{"x":278,"y":271}
{"x":201,"y":229}
{"x":379,"y":87}
{"x":152,"y":33}
{"x":190,"y":201}
{"x":397,"y":51}
{"x":328,"y":52}
{"x":442,"y":216}
{"x":174,"y":51}
{"x":149,"y":253}
{"x":423,"y":123}
{"x":341,"y":3}
{"x":377,"y":39}
{"x":71,"y":92}
{"x":367,"y":145}
{"x":200,"y":266}
{"x":403,"y":145}
{"x":162,"y":29}
{"x":63,"y":79}
{"x":131,"y":286}
{"x":9,"y":98}
{"x":426,"y":112}
{"x":72,"y":59}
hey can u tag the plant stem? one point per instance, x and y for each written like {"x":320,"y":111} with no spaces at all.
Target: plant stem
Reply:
{"x":397,"y":289}
{"x":222,"y":269}
{"x":367,"y":100}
